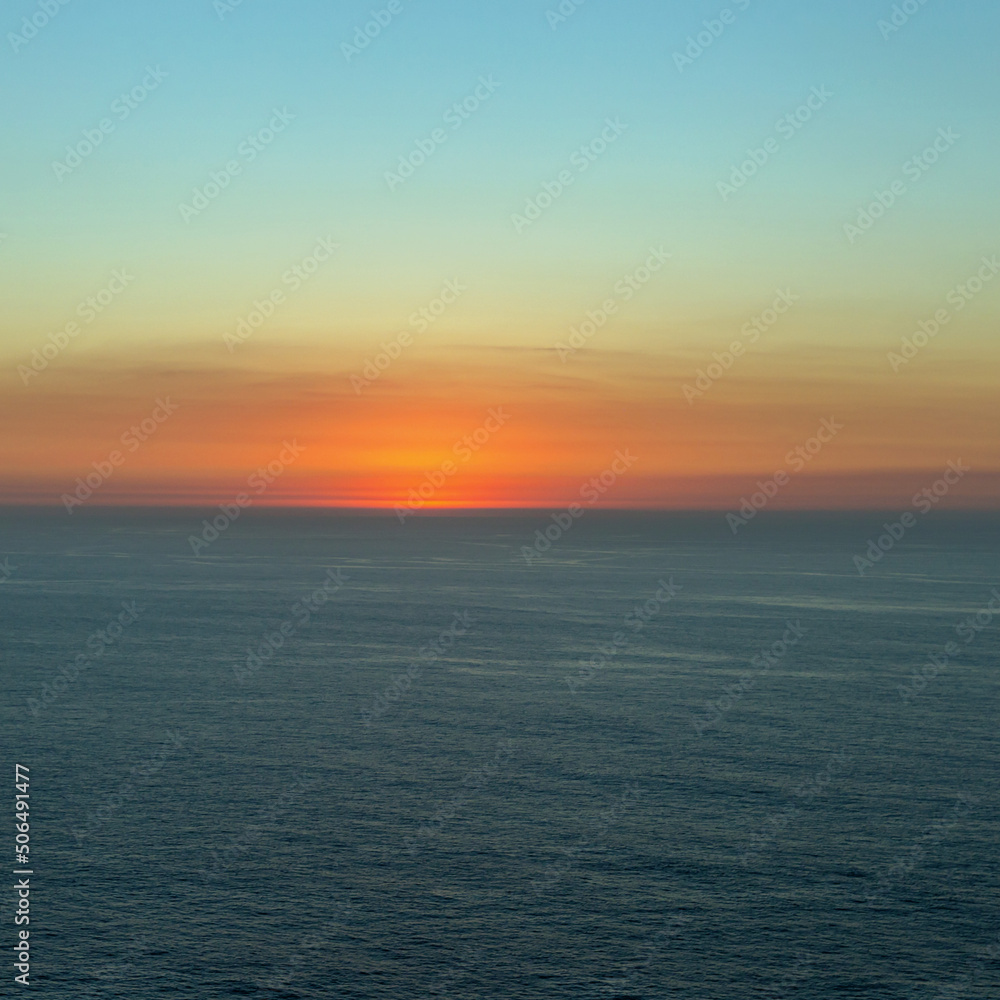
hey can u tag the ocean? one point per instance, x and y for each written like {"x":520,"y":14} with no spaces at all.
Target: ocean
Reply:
{"x":489,"y":756}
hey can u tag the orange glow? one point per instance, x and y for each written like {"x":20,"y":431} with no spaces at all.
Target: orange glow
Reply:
{"x":553,"y":428}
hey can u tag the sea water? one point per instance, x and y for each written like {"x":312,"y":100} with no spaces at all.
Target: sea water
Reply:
{"x":334,"y":755}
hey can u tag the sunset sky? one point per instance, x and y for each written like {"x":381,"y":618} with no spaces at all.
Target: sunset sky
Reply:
{"x":596,"y":170}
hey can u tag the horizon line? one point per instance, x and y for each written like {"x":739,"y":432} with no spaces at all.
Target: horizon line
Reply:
{"x":443,"y":510}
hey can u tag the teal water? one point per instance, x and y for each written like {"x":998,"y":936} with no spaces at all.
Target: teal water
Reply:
{"x":655,"y":762}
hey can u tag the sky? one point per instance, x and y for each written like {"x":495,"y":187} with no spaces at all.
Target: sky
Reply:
{"x":443,"y":254}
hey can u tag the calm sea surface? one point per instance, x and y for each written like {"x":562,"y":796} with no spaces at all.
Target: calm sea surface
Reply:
{"x":337,"y":756}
